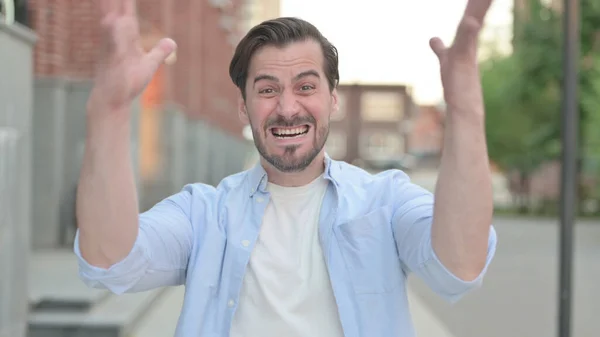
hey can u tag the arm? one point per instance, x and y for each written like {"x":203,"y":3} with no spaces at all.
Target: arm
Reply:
{"x":158,"y":256}
{"x":110,"y":236}
{"x":117,"y":249}
{"x":412,"y":225}
{"x":107,"y":206}
{"x":463,"y":208}
{"x":449,"y":242}
{"x":464,"y":204}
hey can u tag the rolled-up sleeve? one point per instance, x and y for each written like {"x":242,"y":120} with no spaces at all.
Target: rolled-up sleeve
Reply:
{"x":412,"y":223}
{"x":159,"y":256}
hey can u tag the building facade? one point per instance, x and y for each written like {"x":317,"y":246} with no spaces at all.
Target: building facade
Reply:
{"x":16,"y":86}
{"x":186,"y":128}
{"x":257,"y":11}
{"x":371,"y":126}
{"x":427,"y":130}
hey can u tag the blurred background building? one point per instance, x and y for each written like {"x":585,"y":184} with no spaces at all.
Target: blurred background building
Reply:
{"x":256,"y":11}
{"x":370,"y":128}
{"x":186,"y":126}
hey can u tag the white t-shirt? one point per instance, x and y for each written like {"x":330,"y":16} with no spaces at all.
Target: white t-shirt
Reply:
{"x":286,"y":291}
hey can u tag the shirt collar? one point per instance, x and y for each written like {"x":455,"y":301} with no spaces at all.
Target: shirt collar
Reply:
{"x":257,"y":176}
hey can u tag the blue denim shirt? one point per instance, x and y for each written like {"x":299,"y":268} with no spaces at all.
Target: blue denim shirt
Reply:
{"x":374,"y":230}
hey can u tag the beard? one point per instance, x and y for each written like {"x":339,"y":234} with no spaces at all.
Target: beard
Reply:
{"x":290,"y":160}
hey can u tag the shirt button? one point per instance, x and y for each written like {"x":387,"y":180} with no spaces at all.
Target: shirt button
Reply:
{"x":260,"y":199}
{"x":245,"y":243}
{"x":231,"y":303}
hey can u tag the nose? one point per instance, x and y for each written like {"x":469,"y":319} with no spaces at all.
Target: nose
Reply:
{"x":288,"y":104}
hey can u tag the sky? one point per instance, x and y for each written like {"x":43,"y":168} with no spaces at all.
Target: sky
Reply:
{"x":387,"y":41}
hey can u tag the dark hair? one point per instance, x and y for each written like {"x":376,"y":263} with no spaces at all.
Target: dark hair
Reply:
{"x":281,"y":32}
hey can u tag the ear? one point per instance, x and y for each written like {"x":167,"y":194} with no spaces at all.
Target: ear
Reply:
{"x":243,"y":114}
{"x":334,"y":101}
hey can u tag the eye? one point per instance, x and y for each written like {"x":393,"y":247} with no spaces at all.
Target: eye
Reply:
{"x":267,"y":91}
{"x":306,"y":87}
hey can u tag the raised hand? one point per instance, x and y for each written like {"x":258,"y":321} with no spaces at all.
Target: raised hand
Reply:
{"x":124,"y":68}
{"x":458,"y":63}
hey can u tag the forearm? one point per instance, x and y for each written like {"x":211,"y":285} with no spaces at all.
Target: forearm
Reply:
{"x":107,"y":207}
{"x":463,"y":197}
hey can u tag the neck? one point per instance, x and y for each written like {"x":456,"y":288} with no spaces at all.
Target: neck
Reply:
{"x":295,"y":179}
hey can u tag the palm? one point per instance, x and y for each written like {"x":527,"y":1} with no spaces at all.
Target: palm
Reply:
{"x":124,"y":68}
{"x":458,"y":63}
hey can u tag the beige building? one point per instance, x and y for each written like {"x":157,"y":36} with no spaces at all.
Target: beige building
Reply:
{"x":371,"y":126}
{"x":257,"y":11}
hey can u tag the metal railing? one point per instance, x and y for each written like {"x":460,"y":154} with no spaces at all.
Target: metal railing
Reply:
{"x":8,"y":9}
{"x":14,"y":11}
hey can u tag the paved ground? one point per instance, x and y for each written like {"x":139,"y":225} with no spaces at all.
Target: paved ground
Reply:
{"x":519,"y":296}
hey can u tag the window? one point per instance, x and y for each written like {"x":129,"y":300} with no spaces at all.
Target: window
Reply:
{"x":336,"y":144}
{"x":382,"y":106}
{"x":18,"y":11}
{"x":381,"y":145}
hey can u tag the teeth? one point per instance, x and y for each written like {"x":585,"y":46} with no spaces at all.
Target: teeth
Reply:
{"x":294,"y":131}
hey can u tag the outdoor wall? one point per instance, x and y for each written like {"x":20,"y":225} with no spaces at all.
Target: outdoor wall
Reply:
{"x":59,"y":118}
{"x":192,"y":151}
{"x":198,"y":82}
{"x":16,"y":63}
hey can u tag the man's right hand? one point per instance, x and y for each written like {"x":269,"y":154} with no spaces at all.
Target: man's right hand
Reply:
{"x":124,"y":68}
{"x":107,"y":203}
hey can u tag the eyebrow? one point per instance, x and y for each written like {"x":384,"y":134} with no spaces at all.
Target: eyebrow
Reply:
{"x":265,"y":77}
{"x":307,"y":74}
{"x":296,"y":78}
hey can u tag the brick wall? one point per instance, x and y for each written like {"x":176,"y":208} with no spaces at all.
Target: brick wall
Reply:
{"x":427,"y":132}
{"x":357,"y":129}
{"x":199,"y":82}
{"x":50,"y":19}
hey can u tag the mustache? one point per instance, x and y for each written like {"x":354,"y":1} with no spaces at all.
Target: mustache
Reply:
{"x":281,"y":121}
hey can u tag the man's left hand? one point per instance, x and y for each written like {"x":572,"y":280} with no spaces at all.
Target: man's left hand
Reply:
{"x":458,"y":63}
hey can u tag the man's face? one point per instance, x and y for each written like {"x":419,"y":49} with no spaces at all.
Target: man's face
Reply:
{"x":288,"y":104}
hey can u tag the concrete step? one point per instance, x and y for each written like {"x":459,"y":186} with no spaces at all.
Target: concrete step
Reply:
{"x":62,"y":306}
{"x":54,"y":283}
{"x":116,"y":316}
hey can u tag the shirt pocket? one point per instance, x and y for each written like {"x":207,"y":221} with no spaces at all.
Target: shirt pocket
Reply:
{"x":369,"y":251}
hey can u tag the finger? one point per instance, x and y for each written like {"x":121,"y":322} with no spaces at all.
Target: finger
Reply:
{"x":157,"y":55}
{"x":108,"y":20}
{"x":108,"y":43}
{"x":437,"y":46}
{"x":126,"y":35}
{"x":129,"y":7}
{"x":103,"y":6}
{"x":107,"y":7}
{"x":477,"y":9}
{"x":467,"y":36}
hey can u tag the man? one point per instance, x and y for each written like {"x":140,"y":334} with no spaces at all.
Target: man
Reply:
{"x":300,"y":245}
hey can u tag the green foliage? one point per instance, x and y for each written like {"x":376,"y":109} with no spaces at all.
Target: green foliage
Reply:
{"x":508,"y":123}
{"x":523,"y":91}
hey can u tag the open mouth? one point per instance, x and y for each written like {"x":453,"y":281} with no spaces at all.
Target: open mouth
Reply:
{"x":287,"y":133}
